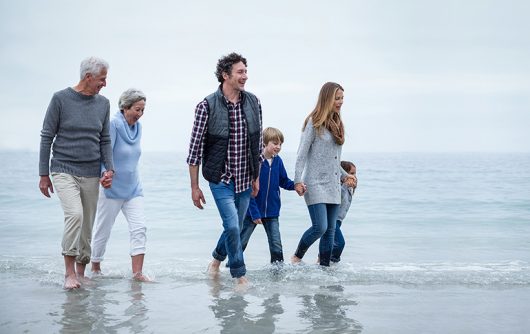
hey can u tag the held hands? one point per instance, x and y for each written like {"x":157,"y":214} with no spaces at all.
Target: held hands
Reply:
{"x":300,"y":188}
{"x":351,"y":181}
{"x":197,"y":197}
{"x":257,"y":221}
{"x":106,"y":179}
{"x":45,"y":185}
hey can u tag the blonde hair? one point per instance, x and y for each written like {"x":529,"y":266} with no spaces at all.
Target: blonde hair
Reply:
{"x":323,"y":116}
{"x":272,"y":134}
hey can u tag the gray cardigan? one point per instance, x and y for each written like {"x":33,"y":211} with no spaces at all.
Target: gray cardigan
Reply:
{"x":318,"y":166}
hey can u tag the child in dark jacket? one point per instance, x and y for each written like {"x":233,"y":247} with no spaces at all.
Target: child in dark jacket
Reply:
{"x":264,"y":209}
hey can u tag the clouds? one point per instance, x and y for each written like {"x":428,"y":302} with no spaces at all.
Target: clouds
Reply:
{"x":419,"y":75}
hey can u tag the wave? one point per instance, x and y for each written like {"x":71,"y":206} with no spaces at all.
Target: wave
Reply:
{"x":430,"y":274}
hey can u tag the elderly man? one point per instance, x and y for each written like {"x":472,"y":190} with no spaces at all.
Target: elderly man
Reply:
{"x":77,"y":124}
{"x":226,"y":139}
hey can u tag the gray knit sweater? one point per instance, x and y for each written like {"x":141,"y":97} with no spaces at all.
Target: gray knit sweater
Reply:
{"x":318,"y":166}
{"x":78,"y":127}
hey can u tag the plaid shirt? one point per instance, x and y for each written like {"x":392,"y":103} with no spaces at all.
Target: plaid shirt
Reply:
{"x":237,"y":164}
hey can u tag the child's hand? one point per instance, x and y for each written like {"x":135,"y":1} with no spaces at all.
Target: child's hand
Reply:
{"x":257,"y":221}
{"x":300,"y":188}
{"x":351,"y":181}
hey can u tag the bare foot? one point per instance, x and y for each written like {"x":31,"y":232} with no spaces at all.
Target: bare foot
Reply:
{"x":140,"y":277}
{"x":242,"y":284}
{"x":295,"y":259}
{"x":213,"y":267}
{"x":71,"y":282}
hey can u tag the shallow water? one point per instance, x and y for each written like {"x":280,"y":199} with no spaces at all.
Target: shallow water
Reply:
{"x":436,"y":243}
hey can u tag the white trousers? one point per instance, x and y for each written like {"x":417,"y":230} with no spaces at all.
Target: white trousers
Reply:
{"x":108,"y":210}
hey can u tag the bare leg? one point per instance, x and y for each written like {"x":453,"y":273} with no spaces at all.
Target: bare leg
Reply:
{"x":80,"y":270}
{"x":242,"y":284}
{"x":295,"y":259}
{"x":70,"y":279}
{"x":137,"y":265}
{"x":213,"y":267}
{"x":96,"y":268}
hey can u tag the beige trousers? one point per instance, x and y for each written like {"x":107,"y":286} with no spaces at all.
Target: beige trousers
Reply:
{"x":79,"y":198}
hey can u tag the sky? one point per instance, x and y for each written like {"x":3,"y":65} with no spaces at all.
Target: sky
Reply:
{"x":419,"y":75}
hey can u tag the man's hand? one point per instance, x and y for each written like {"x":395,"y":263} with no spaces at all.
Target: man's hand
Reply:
{"x":45,"y":185}
{"x":106,"y":179}
{"x":197,"y":197}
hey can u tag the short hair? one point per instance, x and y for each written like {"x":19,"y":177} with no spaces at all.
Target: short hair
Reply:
{"x":272,"y":134}
{"x":347,"y":165}
{"x":93,"y":65}
{"x":130,"y":97}
{"x":224,"y":65}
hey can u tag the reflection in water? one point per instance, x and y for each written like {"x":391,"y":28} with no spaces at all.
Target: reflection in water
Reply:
{"x":94,"y":311}
{"x":137,"y":311}
{"x":233,"y":318}
{"x":326,"y":310}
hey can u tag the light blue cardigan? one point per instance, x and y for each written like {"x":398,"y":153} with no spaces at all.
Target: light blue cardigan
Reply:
{"x":318,"y":166}
{"x":126,"y":153}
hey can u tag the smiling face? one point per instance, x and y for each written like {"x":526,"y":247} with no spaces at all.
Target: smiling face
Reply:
{"x":94,"y":82}
{"x":339,"y":100}
{"x":272,"y":148}
{"x":133,"y":114}
{"x":237,"y":78}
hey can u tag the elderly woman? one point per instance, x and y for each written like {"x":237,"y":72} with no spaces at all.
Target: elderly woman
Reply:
{"x":126,"y":191}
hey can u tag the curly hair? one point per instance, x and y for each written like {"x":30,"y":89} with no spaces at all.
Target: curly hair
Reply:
{"x":224,"y":65}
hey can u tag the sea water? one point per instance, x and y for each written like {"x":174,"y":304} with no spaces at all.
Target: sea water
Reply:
{"x":435,"y":243}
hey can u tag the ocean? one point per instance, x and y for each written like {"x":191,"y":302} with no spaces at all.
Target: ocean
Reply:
{"x":435,"y":243}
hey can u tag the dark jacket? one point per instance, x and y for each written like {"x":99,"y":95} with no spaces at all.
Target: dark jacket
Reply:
{"x":216,"y":142}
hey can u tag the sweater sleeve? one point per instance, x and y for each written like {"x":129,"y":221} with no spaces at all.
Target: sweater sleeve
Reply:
{"x":308,"y":136}
{"x":49,"y":130}
{"x":105,"y":142}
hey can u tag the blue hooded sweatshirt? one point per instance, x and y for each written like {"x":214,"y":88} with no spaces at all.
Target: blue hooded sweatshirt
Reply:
{"x":267,"y":203}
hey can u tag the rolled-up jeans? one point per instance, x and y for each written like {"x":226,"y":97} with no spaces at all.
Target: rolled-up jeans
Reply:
{"x":79,"y":198}
{"x":232,"y":207}
{"x":323,"y":219}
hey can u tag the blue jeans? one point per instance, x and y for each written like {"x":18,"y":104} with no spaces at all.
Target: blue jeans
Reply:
{"x":323,"y":218}
{"x":272,"y":228}
{"x":232,"y":207}
{"x":338,"y":244}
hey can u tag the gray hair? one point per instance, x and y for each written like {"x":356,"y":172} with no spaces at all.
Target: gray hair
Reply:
{"x":93,"y":65}
{"x":130,"y":97}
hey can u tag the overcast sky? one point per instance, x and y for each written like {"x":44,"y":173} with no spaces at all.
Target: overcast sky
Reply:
{"x":428,"y":76}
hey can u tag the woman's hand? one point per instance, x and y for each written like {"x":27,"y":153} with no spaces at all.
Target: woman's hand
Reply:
{"x":351,"y":181}
{"x":106,"y":179}
{"x":300,"y":188}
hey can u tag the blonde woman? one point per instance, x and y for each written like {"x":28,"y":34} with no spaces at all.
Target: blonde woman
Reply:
{"x":318,"y":173}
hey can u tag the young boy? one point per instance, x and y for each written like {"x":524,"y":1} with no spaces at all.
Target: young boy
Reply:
{"x":264,"y":209}
{"x":346,"y":193}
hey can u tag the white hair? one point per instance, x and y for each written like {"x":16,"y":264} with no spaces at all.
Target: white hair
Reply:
{"x":130,"y":97}
{"x":93,"y":65}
